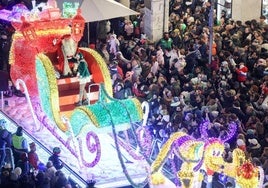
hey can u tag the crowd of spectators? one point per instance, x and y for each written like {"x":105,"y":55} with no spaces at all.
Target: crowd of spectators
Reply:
{"x":21,"y":166}
{"x":183,"y":87}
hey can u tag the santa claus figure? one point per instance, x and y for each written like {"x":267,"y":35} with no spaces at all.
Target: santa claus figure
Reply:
{"x":242,"y":72}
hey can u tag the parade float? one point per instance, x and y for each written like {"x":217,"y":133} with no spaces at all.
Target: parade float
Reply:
{"x":43,"y":46}
{"x":202,"y":158}
{"x":41,"y":63}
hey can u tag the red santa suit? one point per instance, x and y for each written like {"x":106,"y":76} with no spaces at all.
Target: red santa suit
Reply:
{"x":242,"y":73}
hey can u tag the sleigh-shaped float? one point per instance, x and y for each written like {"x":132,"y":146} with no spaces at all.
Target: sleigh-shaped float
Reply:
{"x":40,"y":49}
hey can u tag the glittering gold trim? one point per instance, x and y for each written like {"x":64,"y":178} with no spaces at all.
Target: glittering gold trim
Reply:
{"x":104,"y":69}
{"x":165,"y":150}
{"x":230,"y":169}
{"x":138,"y":107}
{"x":213,"y":162}
{"x":53,"y":88}
{"x":40,"y":33}
{"x":12,"y":50}
{"x":60,"y":32}
{"x":90,"y":115}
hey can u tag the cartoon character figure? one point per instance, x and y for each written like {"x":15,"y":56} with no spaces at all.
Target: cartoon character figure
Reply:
{"x":194,"y":155}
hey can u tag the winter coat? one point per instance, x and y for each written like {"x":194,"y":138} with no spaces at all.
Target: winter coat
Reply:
{"x":242,"y":74}
{"x":56,"y":161}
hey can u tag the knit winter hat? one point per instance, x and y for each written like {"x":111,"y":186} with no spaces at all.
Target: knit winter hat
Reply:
{"x":250,"y":131}
{"x":240,"y":142}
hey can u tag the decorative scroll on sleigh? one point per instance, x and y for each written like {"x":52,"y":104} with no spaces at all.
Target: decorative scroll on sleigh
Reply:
{"x":106,"y":115}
